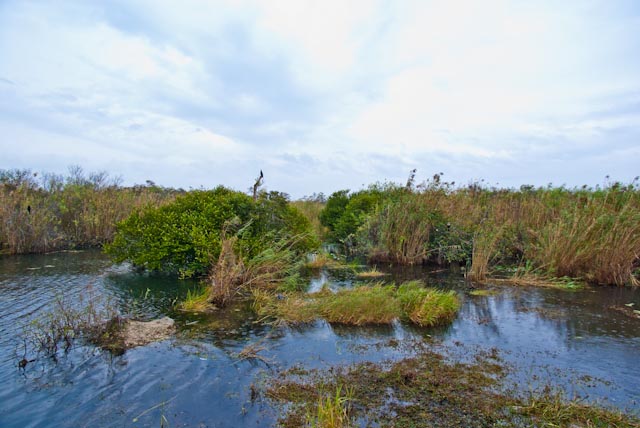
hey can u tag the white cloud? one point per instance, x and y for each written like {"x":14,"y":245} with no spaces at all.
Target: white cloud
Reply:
{"x":323,"y":38}
{"x":345,"y":92}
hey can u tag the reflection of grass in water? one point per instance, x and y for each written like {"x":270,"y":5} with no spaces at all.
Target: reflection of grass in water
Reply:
{"x":428,"y":390}
{"x":484,"y":292}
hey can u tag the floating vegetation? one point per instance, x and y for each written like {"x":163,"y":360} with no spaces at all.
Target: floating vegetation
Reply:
{"x":427,"y":390}
{"x":484,"y":292}
{"x":372,"y":273}
{"x":531,"y":279}
{"x":252,"y":352}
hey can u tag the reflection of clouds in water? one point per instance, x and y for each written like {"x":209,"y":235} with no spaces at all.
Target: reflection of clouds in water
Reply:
{"x":557,"y":336}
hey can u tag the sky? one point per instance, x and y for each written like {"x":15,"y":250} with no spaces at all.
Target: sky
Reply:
{"x":322,"y":95}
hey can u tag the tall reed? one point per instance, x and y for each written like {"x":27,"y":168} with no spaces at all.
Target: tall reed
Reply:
{"x":404,"y":227}
{"x":45,"y":212}
{"x":592,"y":234}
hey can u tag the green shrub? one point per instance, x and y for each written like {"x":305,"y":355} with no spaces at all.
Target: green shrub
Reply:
{"x":185,"y":236}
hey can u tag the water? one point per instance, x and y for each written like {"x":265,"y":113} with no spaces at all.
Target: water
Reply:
{"x":572,"y":340}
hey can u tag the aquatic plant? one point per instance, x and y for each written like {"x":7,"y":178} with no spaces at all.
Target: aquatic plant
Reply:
{"x":91,"y":318}
{"x":428,"y":390}
{"x":197,"y":300}
{"x":371,"y":273}
{"x":359,"y":306}
{"x":427,"y":307}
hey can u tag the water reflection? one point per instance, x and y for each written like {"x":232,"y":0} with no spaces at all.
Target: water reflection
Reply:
{"x":544,"y":334}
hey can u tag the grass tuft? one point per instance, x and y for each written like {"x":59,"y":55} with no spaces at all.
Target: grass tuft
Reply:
{"x":372,"y":273}
{"x":332,"y":410}
{"x":359,"y":306}
{"x":197,"y":300}
{"x":365,"y":305}
{"x":427,"y":307}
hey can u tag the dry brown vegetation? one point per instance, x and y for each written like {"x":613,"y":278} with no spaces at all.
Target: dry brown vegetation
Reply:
{"x":46,"y":212}
{"x":589,"y":234}
{"x":427,"y":390}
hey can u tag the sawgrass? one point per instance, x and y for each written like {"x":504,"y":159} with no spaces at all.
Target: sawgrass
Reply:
{"x":364,"y":305}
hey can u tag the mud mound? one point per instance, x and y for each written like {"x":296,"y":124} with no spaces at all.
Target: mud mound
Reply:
{"x":139,"y":333}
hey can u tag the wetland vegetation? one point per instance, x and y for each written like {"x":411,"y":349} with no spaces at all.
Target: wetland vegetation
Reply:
{"x":254,"y":259}
{"x":586,"y":234}
{"x":426,"y":390}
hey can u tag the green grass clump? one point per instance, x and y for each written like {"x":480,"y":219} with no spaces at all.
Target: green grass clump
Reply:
{"x":291,"y":307}
{"x":360,"y":305}
{"x":427,"y":307}
{"x":332,"y":410}
{"x":371,"y":274}
{"x":365,"y":305}
{"x":197,"y":300}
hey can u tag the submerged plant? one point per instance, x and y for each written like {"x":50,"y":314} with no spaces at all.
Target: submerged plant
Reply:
{"x":426,"y":390}
{"x":91,"y":319}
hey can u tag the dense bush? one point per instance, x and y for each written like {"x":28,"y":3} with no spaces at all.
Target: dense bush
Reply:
{"x":185,"y":236}
{"x":346,"y":212}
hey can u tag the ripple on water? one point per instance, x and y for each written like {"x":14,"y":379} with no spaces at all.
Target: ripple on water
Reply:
{"x":551,"y":334}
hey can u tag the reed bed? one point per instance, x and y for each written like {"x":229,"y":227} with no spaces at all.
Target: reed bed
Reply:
{"x":46,"y":212}
{"x":592,"y":234}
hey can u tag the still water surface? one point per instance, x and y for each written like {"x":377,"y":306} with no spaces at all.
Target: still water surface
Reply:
{"x":572,"y":340}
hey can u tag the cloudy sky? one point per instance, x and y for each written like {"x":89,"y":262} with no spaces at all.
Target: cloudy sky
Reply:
{"x":322,"y":95}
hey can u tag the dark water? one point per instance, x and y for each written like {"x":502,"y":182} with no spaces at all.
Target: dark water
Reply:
{"x":572,"y":340}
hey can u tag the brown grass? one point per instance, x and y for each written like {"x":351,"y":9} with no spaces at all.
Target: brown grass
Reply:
{"x":40,"y":213}
{"x":428,"y":391}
